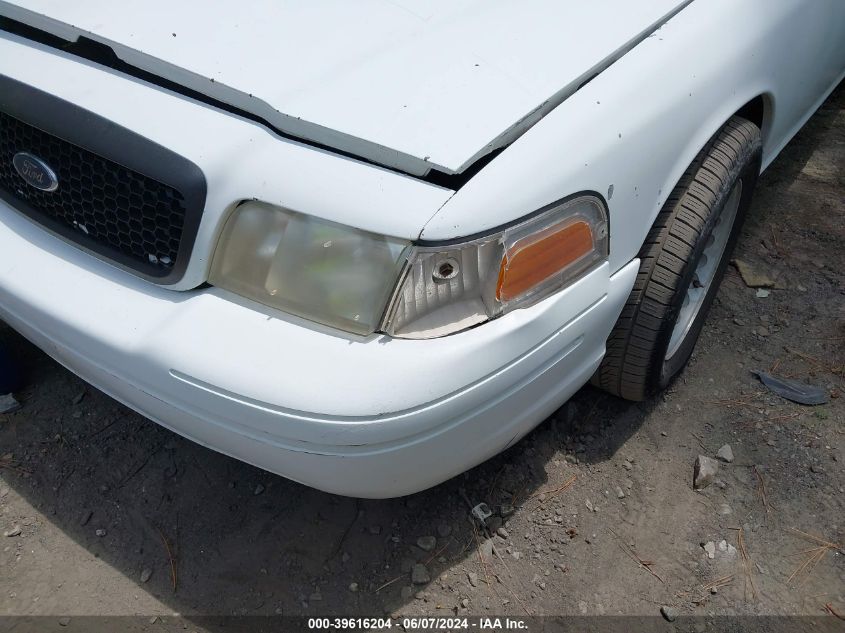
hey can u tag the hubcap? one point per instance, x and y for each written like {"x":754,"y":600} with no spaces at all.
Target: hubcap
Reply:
{"x":705,"y":271}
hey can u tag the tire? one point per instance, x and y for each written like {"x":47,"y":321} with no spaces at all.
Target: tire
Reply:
{"x":691,"y":240}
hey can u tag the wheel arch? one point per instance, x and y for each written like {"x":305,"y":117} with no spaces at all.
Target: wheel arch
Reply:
{"x":759,"y":109}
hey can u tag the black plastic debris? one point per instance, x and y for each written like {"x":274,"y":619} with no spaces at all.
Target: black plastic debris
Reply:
{"x":792,"y":390}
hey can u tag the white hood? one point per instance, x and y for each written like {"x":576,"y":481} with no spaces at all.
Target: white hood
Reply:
{"x":410,"y":84}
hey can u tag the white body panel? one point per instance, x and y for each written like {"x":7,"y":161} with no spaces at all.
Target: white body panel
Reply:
{"x":376,"y":416}
{"x":434,"y":82}
{"x":637,"y":126}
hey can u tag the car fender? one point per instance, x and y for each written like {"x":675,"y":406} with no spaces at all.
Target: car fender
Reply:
{"x":631,"y":132}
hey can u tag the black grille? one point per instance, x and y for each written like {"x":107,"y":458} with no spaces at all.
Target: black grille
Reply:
{"x":123,"y":211}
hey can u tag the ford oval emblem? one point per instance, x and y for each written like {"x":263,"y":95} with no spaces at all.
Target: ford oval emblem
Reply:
{"x":35,"y":171}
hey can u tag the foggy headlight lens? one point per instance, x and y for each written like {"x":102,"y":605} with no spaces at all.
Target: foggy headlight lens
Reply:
{"x":448,"y":289}
{"x":321,"y":271}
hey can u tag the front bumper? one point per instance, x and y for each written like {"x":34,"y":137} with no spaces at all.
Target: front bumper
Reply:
{"x":374,"y":416}
{"x":370,"y":417}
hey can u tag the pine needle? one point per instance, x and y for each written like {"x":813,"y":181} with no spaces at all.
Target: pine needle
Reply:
{"x":171,"y":559}
{"x":769,"y":507}
{"x":813,"y":556}
{"x":746,"y":562}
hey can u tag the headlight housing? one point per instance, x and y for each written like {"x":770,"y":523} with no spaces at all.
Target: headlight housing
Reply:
{"x":347,"y":278}
{"x":446,"y":289}
{"x":319,"y":270}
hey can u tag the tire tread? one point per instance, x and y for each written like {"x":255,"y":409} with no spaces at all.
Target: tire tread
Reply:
{"x":630,"y":356}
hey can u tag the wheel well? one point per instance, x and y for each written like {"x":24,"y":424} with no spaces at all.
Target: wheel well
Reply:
{"x":758,"y":111}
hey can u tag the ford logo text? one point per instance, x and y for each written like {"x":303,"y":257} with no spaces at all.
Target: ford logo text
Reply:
{"x":35,"y":171}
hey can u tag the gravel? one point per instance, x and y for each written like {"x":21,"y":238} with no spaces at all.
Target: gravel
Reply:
{"x":725,"y":454}
{"x":704,"y":471}
{"x":420,"y":574}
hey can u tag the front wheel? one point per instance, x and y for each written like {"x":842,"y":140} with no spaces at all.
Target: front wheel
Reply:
{"x":681,"y":265}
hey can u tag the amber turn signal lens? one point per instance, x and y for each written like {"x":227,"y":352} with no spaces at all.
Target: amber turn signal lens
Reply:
{"x":533,"y":259}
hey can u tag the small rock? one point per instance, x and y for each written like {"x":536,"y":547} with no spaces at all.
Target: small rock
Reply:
{"x":258,"y":489}
{"x":100,"y":532}
{"x":79,"y":397}
{"x":85,"y":517}
{"x":465,"y":603}
{"x":670,"y":613}
{"x":620,"y":494}
{"x":704,"y":471}
{"x":420,"y":575}
{"x":726,"y":454}
{"x":724,"y":509}
{"x":146,"y":574}
{"x":731,"y":550}
{"x":444,"y":530}
{"x":723,"y":545}
{"x":15,"y":531}
{"x":64,"y":621}
{"x":427,"y":543}
{"x":762,"y":293}
{"x":505,"y":510}
{"x":589,"y":505}
{"x":493,"y":524}
{"x":473,"y":578}
{"x":627,"y":465}
{"x":487,"y":549}
{"x":353,"y":587}
{"x":710,"y":548}
{"x":503,"y":533}
{"x":8,"y":404}
{"x":752,"y":277}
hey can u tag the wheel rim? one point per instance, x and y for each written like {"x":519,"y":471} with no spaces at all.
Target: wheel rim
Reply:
{"x":705,"y":271}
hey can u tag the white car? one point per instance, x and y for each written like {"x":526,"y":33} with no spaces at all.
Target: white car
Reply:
{"x":368,"y":245}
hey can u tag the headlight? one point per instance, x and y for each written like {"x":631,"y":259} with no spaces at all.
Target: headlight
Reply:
{"x":315,"y":269}
{"x":446,"y":289}
{"x":346,"y":278}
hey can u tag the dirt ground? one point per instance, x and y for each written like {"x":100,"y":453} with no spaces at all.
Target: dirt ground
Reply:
{"x":605,"y":519}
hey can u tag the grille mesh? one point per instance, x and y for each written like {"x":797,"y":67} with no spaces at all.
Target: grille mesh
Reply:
{"x":122,"y":211}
